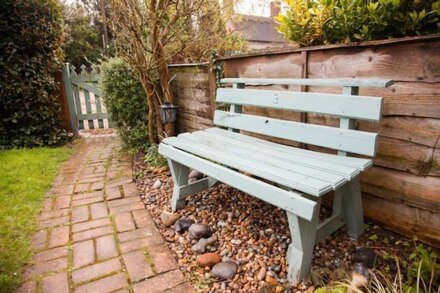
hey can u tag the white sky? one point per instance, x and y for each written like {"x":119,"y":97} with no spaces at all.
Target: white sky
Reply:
{"x":252,"y":7}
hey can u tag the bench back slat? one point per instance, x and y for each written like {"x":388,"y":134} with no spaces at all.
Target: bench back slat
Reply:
{"x":357,"y":107}
{"x":333,"y":82}
{"x":358,"y":142}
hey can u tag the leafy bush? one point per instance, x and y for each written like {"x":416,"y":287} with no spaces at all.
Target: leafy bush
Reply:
{"x":316,"y":22}
{"x":153,"y":159}
{"x":126,"y":101}
{"x":424,"y":265}
{"x":421,"y":273}
{"x":30,"y":39}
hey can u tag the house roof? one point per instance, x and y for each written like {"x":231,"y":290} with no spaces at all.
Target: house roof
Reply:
{"x":255,"y":28}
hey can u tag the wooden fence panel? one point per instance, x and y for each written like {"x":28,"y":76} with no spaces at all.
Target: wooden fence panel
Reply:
{"x":193,"y":96}
{"x":405,"y":180}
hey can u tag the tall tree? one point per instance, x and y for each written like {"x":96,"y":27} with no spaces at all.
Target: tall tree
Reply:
{"x":152,"y":33}
{"x":82,"y":41}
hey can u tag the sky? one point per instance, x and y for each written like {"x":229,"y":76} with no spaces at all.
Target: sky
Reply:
{"x":252,"y":7}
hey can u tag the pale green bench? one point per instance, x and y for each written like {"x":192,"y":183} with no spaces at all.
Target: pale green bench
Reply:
{"x":299,"y":177}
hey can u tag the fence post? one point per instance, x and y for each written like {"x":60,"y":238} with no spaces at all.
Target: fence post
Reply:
{"x":70,"y":101}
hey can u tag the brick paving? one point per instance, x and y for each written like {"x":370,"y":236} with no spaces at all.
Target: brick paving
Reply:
{"x":94,"y":232}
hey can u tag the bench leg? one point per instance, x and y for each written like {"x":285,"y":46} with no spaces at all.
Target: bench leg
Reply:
{"x":180,"y":174}
{"x":181,"y":187}
{"x":352,"y":208}
{"x":300,"y":251}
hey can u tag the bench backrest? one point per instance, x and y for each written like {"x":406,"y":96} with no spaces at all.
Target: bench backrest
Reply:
{"x":349,"y":106}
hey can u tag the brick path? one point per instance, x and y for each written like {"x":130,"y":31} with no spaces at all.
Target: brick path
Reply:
{"x":95,"y":234}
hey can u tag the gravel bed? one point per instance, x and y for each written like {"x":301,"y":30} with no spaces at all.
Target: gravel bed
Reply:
{"x":255,"y":235}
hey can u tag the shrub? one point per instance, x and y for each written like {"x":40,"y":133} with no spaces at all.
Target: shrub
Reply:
{"x":153,"y":159}
{"x":126,"y":101}
{"x":30,"y":39}
{"x":316,"y":22}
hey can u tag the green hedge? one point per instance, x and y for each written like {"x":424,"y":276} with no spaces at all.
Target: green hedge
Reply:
{"x":126,"y":101}
{"x":30,"y":54}
{"x":317,"y":22}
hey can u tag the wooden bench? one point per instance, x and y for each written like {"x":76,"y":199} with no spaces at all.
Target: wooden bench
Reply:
{"x":298,"y":178}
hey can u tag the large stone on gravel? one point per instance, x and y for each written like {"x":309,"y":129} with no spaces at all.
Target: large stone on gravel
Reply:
{"x":157,"y":184}
{"x":197,"y":231}
{"x":358,"y":280}
{"x":208,"y":259}
{"x":225,"y":270}
{"x":200,"y":246}
{"x":183,"y":225}
{"x":366,"y":256}
{"x":168,"y":218}
{"x":196,"y":175}
{"x":361,"y":269}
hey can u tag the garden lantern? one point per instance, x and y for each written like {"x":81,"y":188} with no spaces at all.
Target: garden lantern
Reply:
{"x":168,"y":113}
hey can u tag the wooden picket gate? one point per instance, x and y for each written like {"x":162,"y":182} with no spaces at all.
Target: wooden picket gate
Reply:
{"x":84,"y":98}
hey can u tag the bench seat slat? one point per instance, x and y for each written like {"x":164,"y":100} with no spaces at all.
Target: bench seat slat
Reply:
{"x":333,"y":82}
{"x":286,"y":200}
{"x":359,"y":163}
{"x":347,"y":172}
{"x":357,"y":107}
{"x":275,"y":174}
{"x":353,"y":141}
{"x":250,"y":153}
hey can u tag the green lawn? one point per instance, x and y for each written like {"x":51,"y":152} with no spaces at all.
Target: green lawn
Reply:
{"x":25,"y":175}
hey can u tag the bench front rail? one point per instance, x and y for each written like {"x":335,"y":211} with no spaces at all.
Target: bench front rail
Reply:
{"x":295,"y":179}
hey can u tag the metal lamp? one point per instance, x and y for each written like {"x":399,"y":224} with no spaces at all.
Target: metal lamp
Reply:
{"x":168,"y":113}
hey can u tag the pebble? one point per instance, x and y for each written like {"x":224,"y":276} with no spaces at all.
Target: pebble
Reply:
{"x":208,"y":259}
{"x":197,"y":231}
{"x":157,"y":184}
{"x":271,"y":280}
{"x":182,"y":225}
{"x":236,"y":241}
{"x":261,"y":274}
{"x":262,"y":229}
{"x":168,"y":218}
{"x":224,"y":252}
{"x":225,"y":270}
{"x":276,"y":268}
{"x":196,"y":175}
{"x":268,"y":232}
{"x":200,"y":246}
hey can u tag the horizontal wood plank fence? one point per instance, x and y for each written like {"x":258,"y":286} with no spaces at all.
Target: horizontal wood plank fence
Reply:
{"x":402,"y":189}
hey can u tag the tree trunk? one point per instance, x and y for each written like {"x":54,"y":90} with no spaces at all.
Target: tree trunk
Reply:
{"x":149,"y":91}
{"x":159,"y":126}
{"x":164,"y":79}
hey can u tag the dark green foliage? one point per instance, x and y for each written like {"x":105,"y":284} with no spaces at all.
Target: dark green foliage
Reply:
{"x":30,"y":55}
{"x":153,"y":159}
{"x":316,"y":22}
{"x":82,"y":41}
{"x":126,"y":101}
{"x":424,"y":264}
